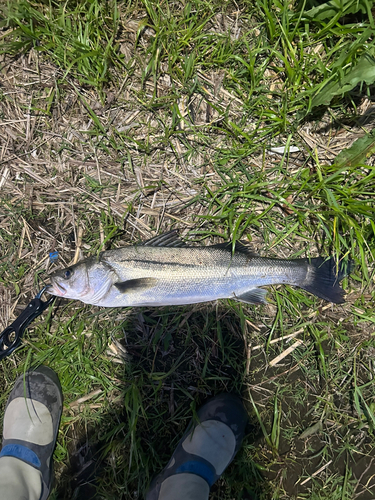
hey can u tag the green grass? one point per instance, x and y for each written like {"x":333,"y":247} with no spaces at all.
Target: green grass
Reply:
{"x":80,"y":38}
{"x":119,"y":120}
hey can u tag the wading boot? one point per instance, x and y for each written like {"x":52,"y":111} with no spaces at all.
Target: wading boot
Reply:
{"x":204,"y":452}
{"x":31,"y":423}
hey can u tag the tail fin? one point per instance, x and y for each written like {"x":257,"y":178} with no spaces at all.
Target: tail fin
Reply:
{"x":323,"y":277}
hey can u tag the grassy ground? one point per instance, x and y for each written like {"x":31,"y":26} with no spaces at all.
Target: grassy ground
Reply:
{"x":119,"y":121}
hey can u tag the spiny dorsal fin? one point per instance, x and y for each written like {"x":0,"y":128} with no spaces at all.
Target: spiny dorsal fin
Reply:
{"x":239,"y":247}
{"x":169,"y":239}
{"x":136,"y":284}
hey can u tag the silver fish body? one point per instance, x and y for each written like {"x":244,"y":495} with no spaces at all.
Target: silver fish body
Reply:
{"x":163,"y":275}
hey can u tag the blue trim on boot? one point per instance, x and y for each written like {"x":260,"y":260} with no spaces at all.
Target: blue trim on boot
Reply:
{"x":21,"y":452}
{"x":199,"y":469}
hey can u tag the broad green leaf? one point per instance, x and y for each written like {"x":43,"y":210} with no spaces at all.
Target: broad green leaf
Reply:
{"x":363,"y":71}
{"x":314,"y":429}
{"x":330,"y":9}
{"x":361,"y":149}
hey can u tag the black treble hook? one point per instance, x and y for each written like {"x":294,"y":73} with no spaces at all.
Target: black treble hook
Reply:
{"x":10,"y":338}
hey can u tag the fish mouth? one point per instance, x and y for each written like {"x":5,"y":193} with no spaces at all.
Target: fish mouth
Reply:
{"x":56,"y":289}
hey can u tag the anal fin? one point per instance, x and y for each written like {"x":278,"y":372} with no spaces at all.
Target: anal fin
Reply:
{"x":253,"y":296}
{"x":137,"y":284}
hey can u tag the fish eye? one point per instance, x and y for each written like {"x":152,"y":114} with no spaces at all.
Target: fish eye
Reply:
{"x":67,"y":273}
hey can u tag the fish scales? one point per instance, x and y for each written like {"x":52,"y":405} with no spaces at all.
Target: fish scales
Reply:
{"x":196,"y":262}
{"x":194,"y":274}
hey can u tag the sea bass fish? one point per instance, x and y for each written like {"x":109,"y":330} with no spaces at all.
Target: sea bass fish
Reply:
{"x":164,"y":271}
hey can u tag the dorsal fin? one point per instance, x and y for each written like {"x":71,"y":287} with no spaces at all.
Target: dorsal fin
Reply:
{"x":238,"y":247}
{"x":169,"y":239}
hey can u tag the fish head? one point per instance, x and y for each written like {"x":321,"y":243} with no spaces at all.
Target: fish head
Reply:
{"x":71,"y":283}
{"x":88,"y":281}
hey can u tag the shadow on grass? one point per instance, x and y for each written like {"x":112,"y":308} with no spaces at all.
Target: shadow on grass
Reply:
{"x":174,"y":361}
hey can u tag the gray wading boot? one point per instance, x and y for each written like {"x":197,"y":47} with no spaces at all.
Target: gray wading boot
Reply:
{"x":204,"y":452}
{"x":31,"y":423}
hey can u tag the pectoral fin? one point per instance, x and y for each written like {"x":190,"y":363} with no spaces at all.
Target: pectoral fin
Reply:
{"x":253,"y":296}
{"x":137,"y":284}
